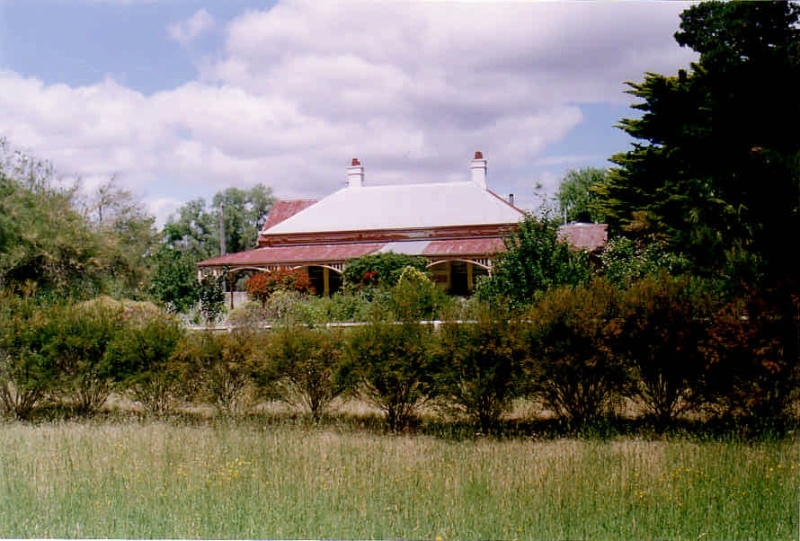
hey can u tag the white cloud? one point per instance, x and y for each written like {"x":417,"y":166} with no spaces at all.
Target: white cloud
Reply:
{"x":412,"y":89}
{"x":184,"y":32}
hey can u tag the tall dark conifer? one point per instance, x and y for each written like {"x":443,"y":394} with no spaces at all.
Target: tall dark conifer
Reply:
{"x":715,"y":170}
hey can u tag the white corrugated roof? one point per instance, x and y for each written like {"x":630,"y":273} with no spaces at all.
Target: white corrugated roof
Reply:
{"x":402,"y":207}
{"x":409,"y":247}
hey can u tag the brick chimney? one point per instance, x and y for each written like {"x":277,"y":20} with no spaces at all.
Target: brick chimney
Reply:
{"x":478,"y":169}
{"x":355,"y":174}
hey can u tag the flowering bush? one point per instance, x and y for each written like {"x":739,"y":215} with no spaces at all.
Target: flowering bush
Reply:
{"x":260,"y":286}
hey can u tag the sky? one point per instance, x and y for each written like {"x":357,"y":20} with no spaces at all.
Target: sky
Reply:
{"x":180,"y":99}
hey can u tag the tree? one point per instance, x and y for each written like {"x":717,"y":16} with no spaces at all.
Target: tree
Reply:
{"x":173,"y":281}
{"x":243,"y":213}
{"x":45,"y":243}
{"x":535,"y":260}
{"x":197,"y":229}
{"x":717,"y":170}
{"x":127,"y":236}
{"x":194,"y":231}
{"x":576,"y":196}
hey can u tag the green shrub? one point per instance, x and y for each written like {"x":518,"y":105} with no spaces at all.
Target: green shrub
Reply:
{"x":383,"y":270}
{"x":481,"y":364}
{"x":571,"y":366}
{"x":77,"y":337}
{"x":306,"y":363}
{"x":26,"y":373}
{"x":219,"y":367}
{"x":139,"y":359}
{"x":415,"y":297}
{"x":391,"y":366}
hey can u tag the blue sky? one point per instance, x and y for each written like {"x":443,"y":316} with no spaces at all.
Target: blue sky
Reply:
{"x":178,"y":99}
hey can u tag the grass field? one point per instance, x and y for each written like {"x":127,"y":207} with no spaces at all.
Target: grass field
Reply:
{"x":149,"y":479}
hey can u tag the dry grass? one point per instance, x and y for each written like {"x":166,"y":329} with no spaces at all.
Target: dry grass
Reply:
{"x":219,"y":480}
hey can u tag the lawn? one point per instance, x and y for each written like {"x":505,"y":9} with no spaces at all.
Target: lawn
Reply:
{"x":148,"y":479}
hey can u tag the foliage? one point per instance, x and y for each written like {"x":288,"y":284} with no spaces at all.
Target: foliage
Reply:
{"x":26,"y":374}
{"x":76,"y":339}
{"x":415,"y":297}
{"x":571,"y":365}
{"x":715,"y":171}
{"x":127,"y":237}
{"x":197,"y":227}
{"x":306,"y":363}
{"x":194,"y":231}
{"x":212,"y":298}
{"x":262,"y":285}
{"x":481,"y":362}
{"x":625,"y":260}
{"x":342,"y":306}
{"x":535,"y":260}
{"x":45,"y":244}
{"x":391,"y":365}
{"x":140,"y":361}
{"x":576,"y":196}
{"x":664,"y":325}
{"x":219,"y":367}
{"x":382,"y":269}
{"x":752,"y":353}
{"x":174,"y":280}
{"x":243,"y":212}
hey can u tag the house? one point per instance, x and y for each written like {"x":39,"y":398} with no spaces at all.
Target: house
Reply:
{"x":459,"y":227}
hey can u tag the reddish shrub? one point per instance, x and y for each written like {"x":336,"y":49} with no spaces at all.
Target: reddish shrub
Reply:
{"x":261,"y":286}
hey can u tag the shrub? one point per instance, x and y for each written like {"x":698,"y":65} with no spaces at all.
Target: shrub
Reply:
{"x":416,"y":297}
{"x":261,"y":286}
{"x":752,"y":350}
{"x":25,"y":371}
{"x":664,"y":325}
{"x":625,"y":261}
{"x":571,"y":366}
{"x":306,"y":364}
{"x":391,"y":366}
{"x":219,"y":367}
{"x":140,"y":361}
{"x":382,"y":270}
{"x":77,"y":337}
{"x":481,"y":365}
